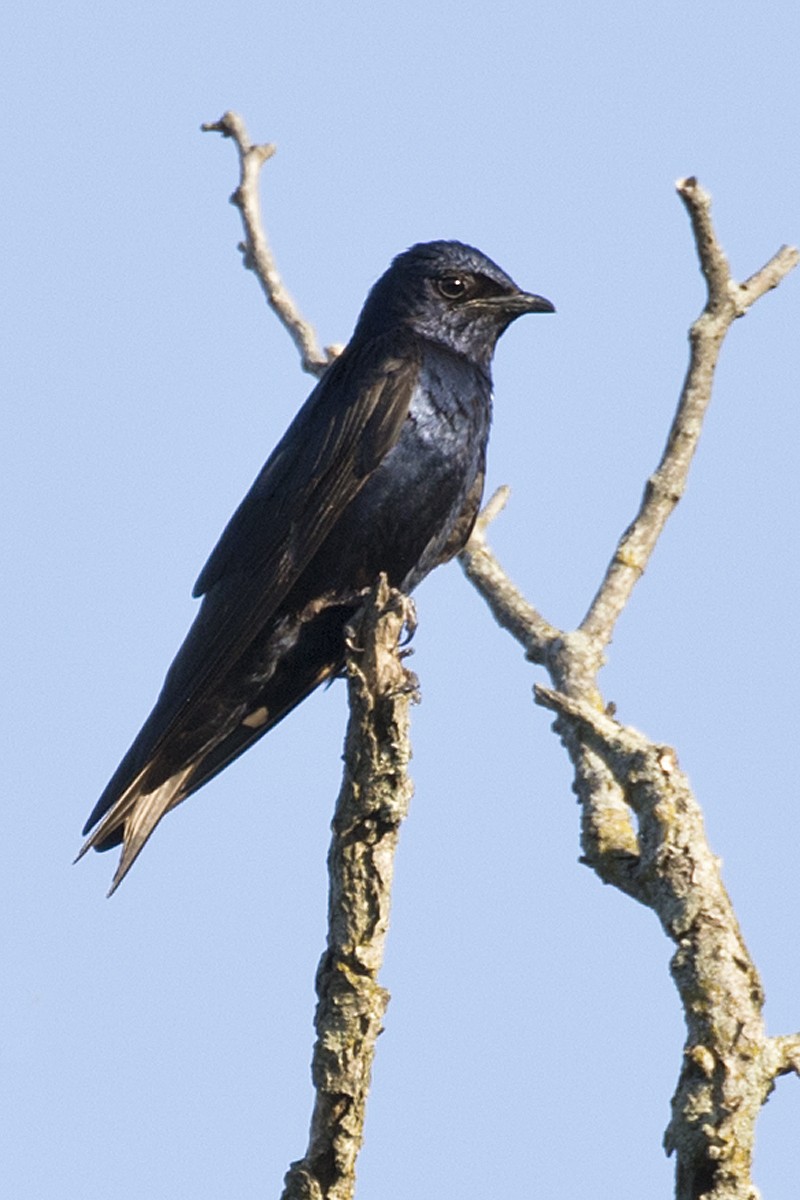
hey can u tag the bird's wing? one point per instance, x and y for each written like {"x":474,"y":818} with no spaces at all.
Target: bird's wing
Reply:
{"x":347,"y":426}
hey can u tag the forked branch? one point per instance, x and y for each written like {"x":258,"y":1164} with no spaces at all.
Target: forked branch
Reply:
{"x":642,"y":828}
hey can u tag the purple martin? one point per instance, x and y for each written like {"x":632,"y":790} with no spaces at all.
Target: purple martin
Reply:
{"x":380,"y":471}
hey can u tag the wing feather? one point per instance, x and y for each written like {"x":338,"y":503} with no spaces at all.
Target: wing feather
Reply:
{"x":347,"y":426}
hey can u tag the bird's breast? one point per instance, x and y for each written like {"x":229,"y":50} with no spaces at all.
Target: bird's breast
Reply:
{"x":404,"y":516}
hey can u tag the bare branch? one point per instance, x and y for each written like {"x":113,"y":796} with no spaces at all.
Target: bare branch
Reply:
{"x":722,"y":290}
{"x":258,"y":256}
{"x":726,"y":301}
{"x":372,"y":804}
{"x":509,"y":607}
{"x":729,"y":1063}
{"x":621,"y":776}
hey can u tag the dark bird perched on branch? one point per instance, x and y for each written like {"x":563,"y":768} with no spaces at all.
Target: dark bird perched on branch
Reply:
{"x":380,"y":471}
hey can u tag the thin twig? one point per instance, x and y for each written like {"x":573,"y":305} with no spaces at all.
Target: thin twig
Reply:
{"x":509,"y":607}
{"x":726,"y":301}
{"x":258,"y":256}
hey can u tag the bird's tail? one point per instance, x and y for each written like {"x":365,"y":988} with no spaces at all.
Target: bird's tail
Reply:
{"x":136,"y":814}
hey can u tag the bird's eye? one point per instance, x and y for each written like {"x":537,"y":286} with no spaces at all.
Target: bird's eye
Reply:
{"x":452,"y":287}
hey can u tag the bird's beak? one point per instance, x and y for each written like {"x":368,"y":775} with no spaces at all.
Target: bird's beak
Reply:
{"x":514,"y":304}
{"x":527,"y":302}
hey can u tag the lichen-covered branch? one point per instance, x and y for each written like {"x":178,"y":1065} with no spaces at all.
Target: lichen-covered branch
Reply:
{"x":372,"y":804}
{"x":258,"y":256}
{"x":728,"y":1066}
{"x":641,"y":827}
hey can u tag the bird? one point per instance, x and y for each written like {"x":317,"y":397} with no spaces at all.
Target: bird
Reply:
{"x":380,"y":471}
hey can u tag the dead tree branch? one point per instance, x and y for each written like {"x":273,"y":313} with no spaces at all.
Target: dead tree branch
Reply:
{"x":726,"y":301}
{"x":372,"y":804}
{"x":256,"y":251}
{"x":642,"y":828}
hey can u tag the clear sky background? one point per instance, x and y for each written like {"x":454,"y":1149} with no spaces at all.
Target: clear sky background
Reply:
{"x":158,"y":1044}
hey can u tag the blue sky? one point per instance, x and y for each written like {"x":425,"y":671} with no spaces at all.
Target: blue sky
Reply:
{"x":158,"y":1044}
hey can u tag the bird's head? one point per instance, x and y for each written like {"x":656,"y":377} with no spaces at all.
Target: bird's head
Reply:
{"x":449,"y":293}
